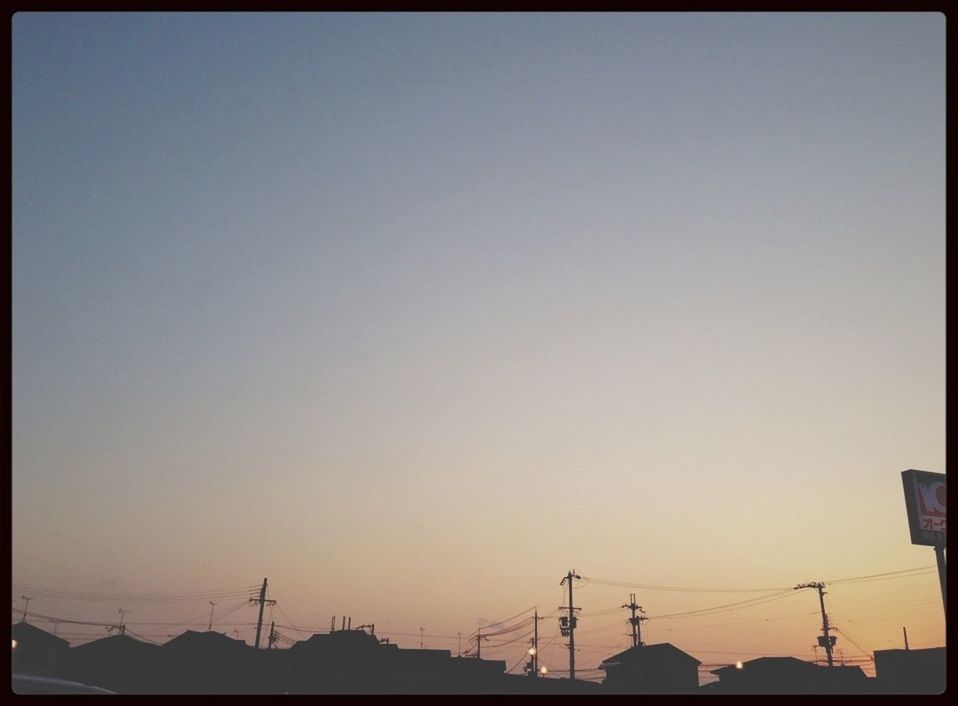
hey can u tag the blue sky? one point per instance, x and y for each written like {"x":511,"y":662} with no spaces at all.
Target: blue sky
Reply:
{"x":434,"y":265}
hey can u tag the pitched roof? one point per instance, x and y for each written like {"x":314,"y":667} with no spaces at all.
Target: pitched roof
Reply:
{"x":765,"y":663}
{"x":115,"y":644}
{"x":659,"y":651}
{"x":208,"y":640}
{"x":27,"y":634}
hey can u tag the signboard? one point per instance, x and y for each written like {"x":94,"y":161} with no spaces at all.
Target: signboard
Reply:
{"x":925,"y":499}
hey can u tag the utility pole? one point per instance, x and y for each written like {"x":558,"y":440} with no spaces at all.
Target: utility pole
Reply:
{"x":940,"y":559}
{"x":535,"y":644}
{"x":479,"y":639}
{"x":635,"y":621}
{"x":905,"y":631}
{"x":272,"y":636}
{"x":122,"y":625}
{"x":570,"y":630}
{"x":532,"y":666}
{"x":421,"y":647}
{"x":262,"y":603}
{"x":460,"y":643}
{"x":825,"y":640}
{"x":211,"y":615}
{"x":26,"y":602}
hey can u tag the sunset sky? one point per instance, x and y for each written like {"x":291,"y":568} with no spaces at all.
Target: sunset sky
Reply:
{"x":414,"y":313}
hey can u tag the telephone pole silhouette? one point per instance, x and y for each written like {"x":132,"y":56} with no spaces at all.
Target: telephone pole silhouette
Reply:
{"x":532,"y":666}
{"x":571,"y":621}
{"x":479,"y":639}
{"x":262,"y":603}
{"x":825,"y":640}
{"x":211,"y":615}
{"x":535,"y":643}
{"x":26,"y":602}
{"x":635,"y":621}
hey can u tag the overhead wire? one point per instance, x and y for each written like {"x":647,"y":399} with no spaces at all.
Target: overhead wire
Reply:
{"x":855,"y":579}
{"x":681,"y":589}
{"x":726,"y":607}
{"x":501,"y":622}
{"x":135,"y":599}
{"x":508,"y":642}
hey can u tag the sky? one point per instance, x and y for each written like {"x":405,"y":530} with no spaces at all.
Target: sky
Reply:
{"x":414,"y":313}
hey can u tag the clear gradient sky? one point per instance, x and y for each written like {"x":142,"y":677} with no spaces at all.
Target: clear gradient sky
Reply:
{"x":413,"y":313}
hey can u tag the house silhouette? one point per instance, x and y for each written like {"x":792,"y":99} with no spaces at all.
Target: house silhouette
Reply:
{"x":38,"y":651}
{"x":118,"y":663}
{"x":651,"y":669}
{"x":789,"y":675}
{"x":203,"y":663}
{"x":921,"y":671}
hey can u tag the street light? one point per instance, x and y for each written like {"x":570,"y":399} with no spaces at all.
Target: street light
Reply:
{"x":543,"y":669}
{"x":532,"y":651}
{"x":738,"y":665}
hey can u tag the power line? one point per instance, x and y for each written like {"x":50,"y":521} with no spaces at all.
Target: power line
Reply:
{"x":726,"y":607}
{"x":509,"y":642}
{"x":502,"y":622}
{"x":700,"y":589}
{"x":137,"y":597}
{"x":875,"y":576}
{"x":684,"y":589}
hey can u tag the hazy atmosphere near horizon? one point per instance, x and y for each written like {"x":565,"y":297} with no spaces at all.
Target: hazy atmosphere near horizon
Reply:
{"x":414,"y":313}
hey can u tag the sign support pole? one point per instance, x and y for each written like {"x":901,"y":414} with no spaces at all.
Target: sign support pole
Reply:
{"x":940,"y":556}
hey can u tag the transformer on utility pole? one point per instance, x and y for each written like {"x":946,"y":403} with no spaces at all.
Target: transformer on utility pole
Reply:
{"x":635,"y":620}
{"x":824,"y":640}
{"x":567,"y":623}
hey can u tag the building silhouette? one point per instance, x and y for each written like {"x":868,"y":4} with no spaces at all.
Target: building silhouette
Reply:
{"x":38,"y":651}
{"x":911,"y":671}
{"x":651,"y":669}
{"x":357,"y":662}
{"x":119,"y":663}
{"x":204,"y":663}
{"x":789,"y":675}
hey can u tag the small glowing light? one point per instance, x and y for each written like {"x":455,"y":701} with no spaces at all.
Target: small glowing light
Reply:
{"x":738,"y":665}
{"x":543,"y":669}
{"x":14,"y":644}
{"x":532,"y":650}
